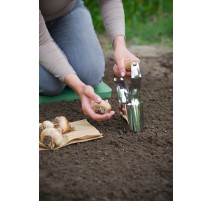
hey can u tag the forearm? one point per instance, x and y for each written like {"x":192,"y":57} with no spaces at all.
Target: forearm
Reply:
{"x":51,"y":55}
{"x":73,"y":81}
{"x":113,"y":18}
{"x":119,"y":42}
{"x":54,"y":61}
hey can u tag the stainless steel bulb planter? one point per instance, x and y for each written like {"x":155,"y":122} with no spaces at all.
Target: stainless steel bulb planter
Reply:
{"x":130,"y":103}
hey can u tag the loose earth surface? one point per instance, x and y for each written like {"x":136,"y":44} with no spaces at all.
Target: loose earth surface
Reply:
{"x":120,"y":166}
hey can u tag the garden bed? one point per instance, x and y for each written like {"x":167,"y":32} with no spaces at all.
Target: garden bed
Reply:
{"x":120,"y":166}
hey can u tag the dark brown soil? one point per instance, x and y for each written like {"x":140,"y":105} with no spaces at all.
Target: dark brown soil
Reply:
{"x":119,"y":166}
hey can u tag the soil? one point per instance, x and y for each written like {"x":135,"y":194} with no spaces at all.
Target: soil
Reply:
{"x":120,"y":166}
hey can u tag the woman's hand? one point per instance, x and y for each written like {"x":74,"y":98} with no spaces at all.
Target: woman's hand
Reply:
{"x":122,"y":54}
{"x":88,"y":95}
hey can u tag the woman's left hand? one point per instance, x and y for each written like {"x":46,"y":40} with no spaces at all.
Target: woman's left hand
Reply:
{"x":121,"y":55}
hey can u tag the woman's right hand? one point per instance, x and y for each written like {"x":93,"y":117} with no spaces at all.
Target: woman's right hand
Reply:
{"x":88,"y":95}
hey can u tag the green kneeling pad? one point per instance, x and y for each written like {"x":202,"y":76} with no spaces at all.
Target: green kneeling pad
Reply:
{"x":103,"y":90}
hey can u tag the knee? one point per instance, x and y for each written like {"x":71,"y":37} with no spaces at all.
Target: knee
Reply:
{"x":51,"y":89}
{"x":48,"y":84}
{"x":92,"y":70}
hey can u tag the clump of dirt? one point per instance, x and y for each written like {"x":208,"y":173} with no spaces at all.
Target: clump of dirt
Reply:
{"x":120,"y":166}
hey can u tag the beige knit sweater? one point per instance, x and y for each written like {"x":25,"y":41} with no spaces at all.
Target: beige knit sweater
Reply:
{"x":50,"y":54}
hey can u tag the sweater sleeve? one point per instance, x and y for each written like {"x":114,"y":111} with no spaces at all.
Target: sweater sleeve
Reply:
{"x":113,"y":17}
{"x":50,"y":55}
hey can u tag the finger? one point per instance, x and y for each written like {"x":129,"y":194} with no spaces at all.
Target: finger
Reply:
{"x":115,"y":70}
{"x":89,"y":92}
{"x":103,"y":117}
{"x":88,"y":110}
{"x":98,"y":117}
{"x":121,"y":68}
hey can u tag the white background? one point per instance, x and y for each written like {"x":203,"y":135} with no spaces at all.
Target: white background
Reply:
{"x":19,"y":95}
